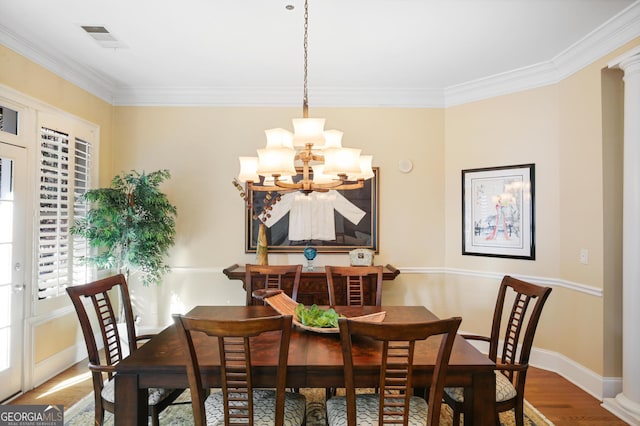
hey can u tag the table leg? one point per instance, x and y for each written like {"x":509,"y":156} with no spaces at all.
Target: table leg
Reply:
{"x":482,"y":395}
{"x":131,"y":405}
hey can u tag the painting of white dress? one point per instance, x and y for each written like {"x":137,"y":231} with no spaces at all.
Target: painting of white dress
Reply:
{"x":498,"y":212}
{"x":331,"y":221}
{"x":312,"y":216}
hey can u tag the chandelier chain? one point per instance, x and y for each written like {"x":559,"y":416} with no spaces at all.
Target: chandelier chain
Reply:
{"x":305,"y":97}
{"x":274,"y":168}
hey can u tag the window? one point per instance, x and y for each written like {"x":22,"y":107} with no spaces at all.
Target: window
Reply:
{"x":65,"y":173}
{"x":8,"y":120}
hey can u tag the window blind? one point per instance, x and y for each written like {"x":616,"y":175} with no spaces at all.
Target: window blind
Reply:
{"x":60,"y":201}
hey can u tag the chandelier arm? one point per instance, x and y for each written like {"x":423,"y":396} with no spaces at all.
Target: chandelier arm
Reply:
{"x":284,"y":187}
{"x":270,"y":188}
{"x":339,"y":185}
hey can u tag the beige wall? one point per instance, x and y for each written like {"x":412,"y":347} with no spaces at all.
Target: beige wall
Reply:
{"x":55,"y":336}
{"x":558,"y":127}
{"x":31,"y":79}
{"x":201,"y":146}
{"x":613,"y":142}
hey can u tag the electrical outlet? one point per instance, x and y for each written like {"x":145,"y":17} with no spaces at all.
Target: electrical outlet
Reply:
{"x":584,"y":256}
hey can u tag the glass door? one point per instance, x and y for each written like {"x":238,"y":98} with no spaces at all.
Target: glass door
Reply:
{"x":12,"y":257}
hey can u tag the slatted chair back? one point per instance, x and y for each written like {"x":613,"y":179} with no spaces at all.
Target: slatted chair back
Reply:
{"x":99,"y":293}
{"x":354,"y":278}
{"x":398,"y":348}
{"x":103,"y":314}
{"x":234,"y":342}
{"x":271,"y":277}
{"x":520,"y":328}
{"x":517,"y":327}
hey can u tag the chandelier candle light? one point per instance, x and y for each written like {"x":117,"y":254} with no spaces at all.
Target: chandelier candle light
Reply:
{"x":326,"y":165}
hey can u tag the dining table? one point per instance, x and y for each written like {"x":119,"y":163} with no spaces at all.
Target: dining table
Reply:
{"x":315,"y":361}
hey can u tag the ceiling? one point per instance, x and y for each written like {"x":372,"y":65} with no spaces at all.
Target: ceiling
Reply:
{"x":361,"y":52}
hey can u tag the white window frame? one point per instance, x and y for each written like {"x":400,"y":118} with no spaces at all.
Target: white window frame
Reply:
{"x":38,"y":312}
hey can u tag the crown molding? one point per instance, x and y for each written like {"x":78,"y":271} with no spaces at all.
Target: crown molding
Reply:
{"x":613,"y":34}
{"x":553,"y":282}
{"x":205,"y":96}
{"x":59,"y":64}
{"x":619,"y":30}
{"x":284,"y":96}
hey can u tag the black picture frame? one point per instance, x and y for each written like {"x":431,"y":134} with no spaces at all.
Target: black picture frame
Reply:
{"x":349,"y":236}
{"x":498,"y":211}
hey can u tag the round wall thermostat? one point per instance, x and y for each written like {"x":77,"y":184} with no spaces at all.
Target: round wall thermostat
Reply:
{"x":405,"y":166}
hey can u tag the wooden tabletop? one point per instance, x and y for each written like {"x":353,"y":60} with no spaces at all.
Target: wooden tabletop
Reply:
{"x":315,"y":360}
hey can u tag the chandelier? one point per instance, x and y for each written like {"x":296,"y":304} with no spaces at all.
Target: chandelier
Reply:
{"x":325,"y":163}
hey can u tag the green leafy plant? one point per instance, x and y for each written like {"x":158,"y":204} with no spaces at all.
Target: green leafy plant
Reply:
{"x":316,"y":317}
{"x":132,"y":225}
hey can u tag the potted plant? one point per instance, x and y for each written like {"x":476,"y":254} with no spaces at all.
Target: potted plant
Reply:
{"x":131,"y":224}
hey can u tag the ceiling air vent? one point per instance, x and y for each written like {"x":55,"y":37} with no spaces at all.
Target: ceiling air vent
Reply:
{"x":102,"y":36}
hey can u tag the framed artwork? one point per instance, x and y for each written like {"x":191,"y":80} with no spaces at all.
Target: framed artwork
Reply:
{"x":498,"y":212}
{"x":331,"y":222}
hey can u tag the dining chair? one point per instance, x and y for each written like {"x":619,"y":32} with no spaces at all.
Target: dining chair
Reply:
{"x":394,"y":402}
{"x":354,"y":278}
{"x":511,"y":369}
{"x":101,"y":308}
{"x":238,"y":401}
{"x":264,"y":277}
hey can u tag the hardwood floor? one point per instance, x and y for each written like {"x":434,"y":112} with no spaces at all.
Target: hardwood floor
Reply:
{"x":564,"y":403}
{"x":556,"y":398}
{"x":66,"y":388}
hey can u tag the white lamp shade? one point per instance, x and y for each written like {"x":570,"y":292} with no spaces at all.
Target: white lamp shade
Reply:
{"x":320,"y":177}
{"x":279,"y":138}
{"x":366,"y":171}
{"x":248,"y":169}
{"x":308,"y":131}
{"x":278,"y":161}
{"x":342,"y":161}
{"x":333,"y":139}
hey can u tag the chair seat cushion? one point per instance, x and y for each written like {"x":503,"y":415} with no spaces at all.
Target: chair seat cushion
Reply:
{"x":264,"y":408}
{"x":155,"y":394}
{"x":367,"y":407}
{"x":504,"y":390}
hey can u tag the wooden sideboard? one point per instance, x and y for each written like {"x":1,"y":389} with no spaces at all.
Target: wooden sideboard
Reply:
{"x":313,"y":285}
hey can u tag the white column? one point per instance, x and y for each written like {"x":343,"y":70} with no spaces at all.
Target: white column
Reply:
{"x":627,"y":403}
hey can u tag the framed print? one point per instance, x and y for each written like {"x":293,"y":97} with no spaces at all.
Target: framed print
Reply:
{"x":498,"y":212}
{"x":331,"y":222}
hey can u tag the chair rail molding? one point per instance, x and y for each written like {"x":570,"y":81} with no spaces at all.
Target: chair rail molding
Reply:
{"x":553,"y":282}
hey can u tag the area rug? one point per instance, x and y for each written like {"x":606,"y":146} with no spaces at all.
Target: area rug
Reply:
{"x":82,"y":414}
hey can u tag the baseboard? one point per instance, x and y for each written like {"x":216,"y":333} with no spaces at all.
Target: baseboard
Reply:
{"x":612,"y":405}
{"x":576,"y":373}
{"x":595,"y":385}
